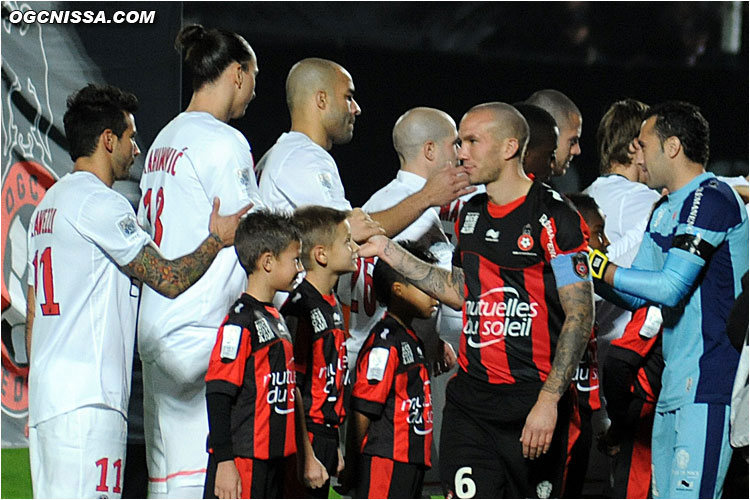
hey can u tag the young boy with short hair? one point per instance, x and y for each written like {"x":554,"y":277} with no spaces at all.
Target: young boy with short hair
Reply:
{"x":250,"y":384}
{"x":391,"y":402}
{"x":316,"y":322}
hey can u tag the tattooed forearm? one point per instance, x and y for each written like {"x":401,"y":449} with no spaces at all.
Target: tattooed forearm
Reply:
{"x":446,"y":286}
{"x":172,"y":277}
{"x":577,"y":301}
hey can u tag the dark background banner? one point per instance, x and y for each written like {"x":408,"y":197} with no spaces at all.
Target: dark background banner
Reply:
{"x":449,"y":55}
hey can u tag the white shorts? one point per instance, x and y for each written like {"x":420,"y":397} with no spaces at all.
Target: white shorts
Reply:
{"x":80,"y":454}
{"x":175,"y":417}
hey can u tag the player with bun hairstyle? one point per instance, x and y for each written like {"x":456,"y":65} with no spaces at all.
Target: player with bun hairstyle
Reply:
{"x":195,"y":158}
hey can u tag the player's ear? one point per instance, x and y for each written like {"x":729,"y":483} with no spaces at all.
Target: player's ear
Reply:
{"x":672,"y":146}
{"x":398,"y":289}
{"x":321,"y":99}
{"x":511,"y":147}
{"x":320,"y":255}
{"x":267,"y":261}
{"x":107,"y":139}
{"x":428,"y":150}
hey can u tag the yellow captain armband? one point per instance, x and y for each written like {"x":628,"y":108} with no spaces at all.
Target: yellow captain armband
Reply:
{"x":598,"y":262}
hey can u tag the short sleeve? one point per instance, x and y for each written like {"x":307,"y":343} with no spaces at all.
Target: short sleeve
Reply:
{"x":309,"y":179}
{"x":227,"y":173}
{"x":108,"y":221}
{"x":564,"y":232}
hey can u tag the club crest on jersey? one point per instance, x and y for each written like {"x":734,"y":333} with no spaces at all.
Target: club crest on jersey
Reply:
{"x":406,"y":355}
{"x":243,"y":176}
{"x":492,"y":235}
{"x":525,"y":242}
{"x":470,"y":223}
{"x":127,"y":226}
{"x":318,"y":320}
{"x":580,"y":265}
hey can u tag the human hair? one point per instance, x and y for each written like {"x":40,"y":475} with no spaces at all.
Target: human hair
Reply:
{"x":583,"y":203}
{"x":307,"y":77}
{"x":617,"y":129}
{"x":384,"y":276}
{"x":317,"y":226}
{"x":91,"y":111}
{"x":508,"y":122}
{"x":418,"y":126}
{"x":560,"y":106}
{"x":260,"y":232}
{"x":208,"y":52}
{"x":540,"y":122}
{"x":684,"y":121}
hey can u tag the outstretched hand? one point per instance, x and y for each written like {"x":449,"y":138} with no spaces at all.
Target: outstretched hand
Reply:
{"x":446,"y":184}
{"x":224,"y":226}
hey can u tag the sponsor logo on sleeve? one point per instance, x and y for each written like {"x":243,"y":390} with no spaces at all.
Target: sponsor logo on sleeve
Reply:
{"x":470,"y":223}
{"x":318,"y":320}
{"x":377,"y":363}
{"x":128,"y":226}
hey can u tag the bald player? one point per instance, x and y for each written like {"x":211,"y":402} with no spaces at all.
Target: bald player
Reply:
{"x":425,"y":140}
{"x":541,"y":152}
{"x":569,"y":121}
{"x":520,"y":274}
{"x":299,"y":170}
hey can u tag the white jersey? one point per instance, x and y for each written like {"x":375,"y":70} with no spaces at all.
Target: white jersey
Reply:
{"x":296,"y":171}
{"x":194,"y":159}
{"x":358,"y":292}
{"x":626,"y":206}
{"x":84,"y":321}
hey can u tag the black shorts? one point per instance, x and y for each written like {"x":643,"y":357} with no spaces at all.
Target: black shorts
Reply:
{"x":325,"y":444}
{"x":260,"y":478}
{"x":384,"y":478}
{"x":480,"y":448}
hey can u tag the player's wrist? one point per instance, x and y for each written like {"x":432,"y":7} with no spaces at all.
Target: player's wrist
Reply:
{"x":599,"y":263}
{"x":213,"y":235}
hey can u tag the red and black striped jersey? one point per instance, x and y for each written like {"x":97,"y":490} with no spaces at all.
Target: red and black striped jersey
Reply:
{"x":643,"y":354}
{"x":253,"y":363}
{"x":512,"y":314}
{"x":392,"y":388}
{"x":317,"y":327}
{"x":586,"y":377}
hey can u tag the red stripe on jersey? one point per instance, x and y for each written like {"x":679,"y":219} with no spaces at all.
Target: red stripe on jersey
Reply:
{"x":234,"y":371}
{"x":491,"y":328}
{"x":400,"y":419}
{"x":261,"y":436}
{"x":319,"y":376}
{"x":631,"y":339}
{"x":541,"y":349}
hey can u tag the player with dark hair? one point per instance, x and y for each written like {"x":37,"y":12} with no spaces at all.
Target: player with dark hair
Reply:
{"x":391,"y":434}
{"x":691,"y":261}
{"x":541,"y":151}
{"x":586,"y":378}
{"x":520,"y":273}
{"x":316,"y":323}
{"x":250,"y":384}
{"x":84,"y":246}
{"x":194,"y":158}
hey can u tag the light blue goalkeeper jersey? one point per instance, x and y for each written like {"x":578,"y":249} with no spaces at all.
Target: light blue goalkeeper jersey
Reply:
{"x":700,"y":362}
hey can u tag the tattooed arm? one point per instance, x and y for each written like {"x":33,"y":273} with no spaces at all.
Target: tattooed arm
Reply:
{"x":445,"y":286}
{"x":172,"y":277}
{"x":577,"y":300}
